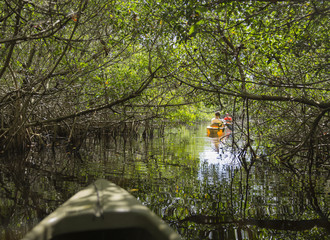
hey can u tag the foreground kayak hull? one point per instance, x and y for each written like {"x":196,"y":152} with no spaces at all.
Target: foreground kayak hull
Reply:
{"x":102,"y":210}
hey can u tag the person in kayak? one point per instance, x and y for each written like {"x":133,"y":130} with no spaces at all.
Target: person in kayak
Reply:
{"x":216,"y":121}
{"x":227,"y":118}
{"x":228,"y":122}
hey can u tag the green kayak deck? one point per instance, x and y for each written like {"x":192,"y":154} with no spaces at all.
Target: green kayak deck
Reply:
{"x":102,"y":210}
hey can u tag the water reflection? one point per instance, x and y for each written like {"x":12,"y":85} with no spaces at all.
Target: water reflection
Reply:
{"x":193,"y":182}
{"x":217,"y":161}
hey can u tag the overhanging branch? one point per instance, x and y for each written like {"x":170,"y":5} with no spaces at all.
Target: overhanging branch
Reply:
{"x":135,"y":94}
{"x":246,"y":95}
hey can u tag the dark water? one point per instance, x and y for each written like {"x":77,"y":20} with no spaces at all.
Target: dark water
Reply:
{"x":196,"y":184}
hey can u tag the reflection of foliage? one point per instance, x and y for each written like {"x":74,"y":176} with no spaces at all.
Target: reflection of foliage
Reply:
{"x":166,"y":175}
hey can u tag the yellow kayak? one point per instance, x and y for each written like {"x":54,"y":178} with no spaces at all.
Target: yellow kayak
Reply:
{"x":216,"y":130}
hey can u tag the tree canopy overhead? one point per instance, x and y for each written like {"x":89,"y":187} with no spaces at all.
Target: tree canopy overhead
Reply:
{"x":86,"y":62}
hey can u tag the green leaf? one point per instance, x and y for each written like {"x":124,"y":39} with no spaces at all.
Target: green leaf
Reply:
{"x":200,"y":22}
{"x":192,"y":29}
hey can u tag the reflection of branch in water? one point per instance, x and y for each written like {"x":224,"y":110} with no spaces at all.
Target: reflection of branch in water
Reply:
{"x":298,"y":225}
{"x":215,"y":144}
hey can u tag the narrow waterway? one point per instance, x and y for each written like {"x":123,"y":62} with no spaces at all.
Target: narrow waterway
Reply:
{"x":199,"y":185}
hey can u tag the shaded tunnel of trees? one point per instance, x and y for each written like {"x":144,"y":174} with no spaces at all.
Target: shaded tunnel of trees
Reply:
{"x":73,"y":68}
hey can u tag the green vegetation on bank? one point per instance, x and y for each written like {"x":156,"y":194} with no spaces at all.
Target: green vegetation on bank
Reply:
{"x":67,"y":67}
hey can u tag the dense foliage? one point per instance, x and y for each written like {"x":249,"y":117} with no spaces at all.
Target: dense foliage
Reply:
{"x":71,"y":68}
{"x":68,"y":67}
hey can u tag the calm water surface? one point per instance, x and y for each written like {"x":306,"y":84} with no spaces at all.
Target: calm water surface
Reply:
{"x":195,"y":183}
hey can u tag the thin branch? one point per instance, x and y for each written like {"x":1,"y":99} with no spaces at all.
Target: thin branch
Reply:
{"x":135,"y":94}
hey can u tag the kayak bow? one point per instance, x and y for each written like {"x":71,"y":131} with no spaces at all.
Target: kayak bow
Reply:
{"x":102,"y":210}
